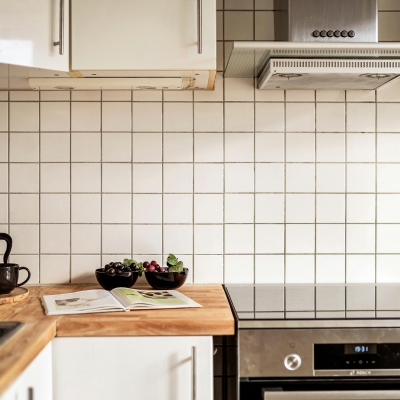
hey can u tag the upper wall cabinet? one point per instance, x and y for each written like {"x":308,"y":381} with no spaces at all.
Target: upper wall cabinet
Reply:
{"x":29,"y":30}
{"x":160,"y":35}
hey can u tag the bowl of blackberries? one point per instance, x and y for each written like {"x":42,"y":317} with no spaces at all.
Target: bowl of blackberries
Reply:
{"x":117,"y":274}
{"x":172,"y":276}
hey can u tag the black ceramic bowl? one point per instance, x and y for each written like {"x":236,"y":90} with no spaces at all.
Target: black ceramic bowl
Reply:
{"x":166,"y":280}
{"x":124,"y":279}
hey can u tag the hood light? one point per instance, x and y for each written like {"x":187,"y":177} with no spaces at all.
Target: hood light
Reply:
{"x":64,"y":88}
{"x":376,"y":76}
{"x":289,"y":76}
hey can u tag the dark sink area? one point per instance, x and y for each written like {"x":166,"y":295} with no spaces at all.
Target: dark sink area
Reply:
{"x":7,"y":329}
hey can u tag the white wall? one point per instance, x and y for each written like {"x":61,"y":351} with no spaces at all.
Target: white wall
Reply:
{"x":243,"y":185}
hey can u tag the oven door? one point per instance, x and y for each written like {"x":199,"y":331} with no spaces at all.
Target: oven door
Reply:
{"x":321,"y":389}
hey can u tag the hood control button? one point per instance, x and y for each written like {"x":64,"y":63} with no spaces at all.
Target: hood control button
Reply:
{"x":337,"y":33}
{"x":330,"y":33}
{"x":352,"y":34}
{"x":323,"y":33}
{"x":292,"y":362}
{"x":344,"y":33}
{"x":316,"y":34}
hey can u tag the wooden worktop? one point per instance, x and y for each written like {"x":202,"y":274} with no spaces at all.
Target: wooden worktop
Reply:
{"x":213,"y":319}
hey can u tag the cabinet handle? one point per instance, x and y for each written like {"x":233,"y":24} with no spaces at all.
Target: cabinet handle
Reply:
{"x":199,"y":26}
{"x":61,"y":30}
{"x":30,"y":394}
{"x":194,"y":373}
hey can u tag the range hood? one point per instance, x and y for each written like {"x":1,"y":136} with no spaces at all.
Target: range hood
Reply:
{"x":320,"y":44}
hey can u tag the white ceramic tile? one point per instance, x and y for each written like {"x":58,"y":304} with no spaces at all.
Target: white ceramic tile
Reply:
{"x":360,"y":268}
{"x":300,"y":238}
{"x":239,"y":117}
{"x":238,"y":5}
{"x":330,"y":238}
{"x":388,"y":238}
{"x":270,"y":208}
{"x":239,"y":208}
{"x":270,"y":117}
{"x":330,"y":117}
{"x":116,"y":177}
{"x":388,"y":178}
{"x":239,"y":269}
{"x":360,"y":238}
{"x":388,"y":117}
{"x":361,"y":95}
{"x":54,"y":208}
{"x":147,"y":208}
{"x":85,"y":208}
{"x":4,"y":208}
{"x":270,"y":238}
{"x":331,"y":178}
{"x":208,"y":147}
{"x":387,"y":269}
{"x":85,"y":117}
{"x":24,"y":178}
{"x":178,"y":117}
{"x":388,"y":208}
{"x":53,"y":95}
{"x":178,"y":147}
{"x":22,"y":95}
{"x":218,"y":93}
{"x":264,"y":5}
{"x":178,"y":208}
{"x":55,"y":147}
{"x":178,"y":239}
{"x":300,"y":208}
{"x":147,"y":117}
{"x":388,"y":149}
{"x":85,"y":239}
{"x":208,"y":269}
{"x":238,"y":25}
{"x":116,"y":239}
{"x":86,"y":95}
{"x":25,"y":239}
{"x":54,"y":269}
{"x":330,"y":269}
{"x":146,"y":178}
{"x":86,"y":178}
{"x":3,"y":147}
{"x":264,"y":25}
{"x":239,"y":89}
{"x":208,"y":239}
{"x":330,"y":95}
{"x":300,"y":178}
{"x":146,"y":239}
{"x":4,"y":96}
{"x":360,"y":208}
{"x":24,"y":117}
{"x":208,"y":117}
{"x":300,"y":269}
{"x":269,"y":269}
{"x":361,"y":147}
{"x":330,"y":208}
{"x":82,"y":267}
{"x":178,"y":178}
{"x":208,"y":178}
{"x":116,"y":117}
{"x":146,"y":95}
{"x":300,"y":147}
{"x":32,"y":262}
{"x":4,"y":178}
{"x":55,"y":238}
{"x":147,"y":147}
{"x":55,"y":116}
{"x":24,"y":147}
{"x":239,"y":147}
{"x":208,"y":208}
{"x":116,"y":146}
{"x":269,"y":95}
{"x":85,"y":146}
{"x":116,"y":95}
{"x":270,"y":177}
{"x":107,"y":258}
{"x":361,"y":178}
{"x":360,"y":117}
{"x":178,"y":95}
{"x":239,"y":239}
{"x":300,"y":96}
{"x":239,"y":178}
{"x":300,"y":117}
{"x":330,"y":147}
{"x":269,"y":147}
{"x":116,"y":209}
{"x":54,"y":177}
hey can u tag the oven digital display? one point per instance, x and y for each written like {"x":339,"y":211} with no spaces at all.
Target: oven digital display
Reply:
{"x":360,"y":349}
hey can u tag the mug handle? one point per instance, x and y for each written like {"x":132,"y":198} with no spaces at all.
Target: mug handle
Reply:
{"x":8,"y":240}
{"x":27,"y":279}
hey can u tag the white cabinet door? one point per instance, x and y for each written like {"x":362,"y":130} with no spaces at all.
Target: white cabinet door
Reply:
{"x":28,"y":31}
{"x":36,"y":381}
{"x":133,"y":368}
{"x":142,"y":35}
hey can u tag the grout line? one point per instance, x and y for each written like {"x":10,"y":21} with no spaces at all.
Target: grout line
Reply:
{"x":345,"y":185}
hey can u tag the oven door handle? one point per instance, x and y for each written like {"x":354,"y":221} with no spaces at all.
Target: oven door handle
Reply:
{"x":334,"y":395}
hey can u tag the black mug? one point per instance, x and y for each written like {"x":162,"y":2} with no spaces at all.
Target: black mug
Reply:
{"x":9,"y":272}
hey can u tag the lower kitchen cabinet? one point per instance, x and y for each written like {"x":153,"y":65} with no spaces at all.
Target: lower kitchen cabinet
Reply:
{"x":145,"y":368}
{"x":35,"y":382}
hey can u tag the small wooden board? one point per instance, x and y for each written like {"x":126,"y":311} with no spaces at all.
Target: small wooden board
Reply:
{"x":18,"y":294}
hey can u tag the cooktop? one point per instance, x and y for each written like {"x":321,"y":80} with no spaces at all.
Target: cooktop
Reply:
{"x":269,"y":305}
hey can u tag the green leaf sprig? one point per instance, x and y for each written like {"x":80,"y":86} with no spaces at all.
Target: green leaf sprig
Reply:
{"x":173,"y":264}
{"x":139,"y":265}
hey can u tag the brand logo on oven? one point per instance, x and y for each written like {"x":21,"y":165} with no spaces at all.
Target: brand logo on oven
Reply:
{"x":362,"y":373}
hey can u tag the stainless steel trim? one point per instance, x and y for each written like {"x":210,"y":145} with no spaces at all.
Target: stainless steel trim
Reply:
{"x":194,"y":394}
{"x":200,"y":26}
{"x":61,"y":30}
{"x":358,"y":372}
{"x":334,"y":395}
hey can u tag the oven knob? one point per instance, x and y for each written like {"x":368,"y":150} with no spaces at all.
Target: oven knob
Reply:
{"x":292,"y":362}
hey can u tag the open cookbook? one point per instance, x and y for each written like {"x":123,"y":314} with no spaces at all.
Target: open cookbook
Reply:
{"x":118,"y":299}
